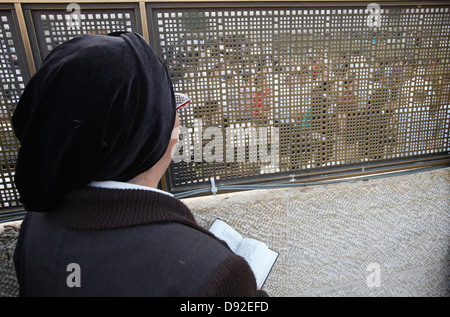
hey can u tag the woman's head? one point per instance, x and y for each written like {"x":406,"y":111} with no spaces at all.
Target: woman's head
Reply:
{"x":101,"y":107}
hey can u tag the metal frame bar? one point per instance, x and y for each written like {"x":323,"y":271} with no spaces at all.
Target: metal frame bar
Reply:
{"x":323,"y":174}
{"x":25,"y":37}
{"x":235,"y":3}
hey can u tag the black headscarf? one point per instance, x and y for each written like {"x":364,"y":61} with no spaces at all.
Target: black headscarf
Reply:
{"x":101,"y":107}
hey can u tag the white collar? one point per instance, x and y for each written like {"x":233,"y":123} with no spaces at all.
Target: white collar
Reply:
{"x":123,"y":185}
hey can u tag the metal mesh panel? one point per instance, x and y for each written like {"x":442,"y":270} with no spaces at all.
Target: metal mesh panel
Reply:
{"x":12,"y":79}
{"x":55,"y":26}
{"x":318,"y":87}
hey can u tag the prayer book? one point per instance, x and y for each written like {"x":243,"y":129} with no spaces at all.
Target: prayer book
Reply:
{"x":258,"y":255}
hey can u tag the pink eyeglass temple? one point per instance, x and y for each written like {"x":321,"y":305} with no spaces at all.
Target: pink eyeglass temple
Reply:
{"x":183,"y":99}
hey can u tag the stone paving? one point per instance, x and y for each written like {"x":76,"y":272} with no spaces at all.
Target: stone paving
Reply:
{"x":333,"y":239}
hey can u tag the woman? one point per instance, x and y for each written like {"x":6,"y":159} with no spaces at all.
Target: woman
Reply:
{"x":95,"y":126}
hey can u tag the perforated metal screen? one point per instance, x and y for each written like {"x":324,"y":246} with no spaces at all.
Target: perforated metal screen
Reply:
{"x":55,"y":24}
{"x":13,"y":75}
{"x":275,"y":90}
{"x":318,"y":86}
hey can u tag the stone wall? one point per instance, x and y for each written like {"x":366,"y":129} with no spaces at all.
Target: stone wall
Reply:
{"x":8,"y":237}
{"x":333,"y":239}
{"x":382,"y":237}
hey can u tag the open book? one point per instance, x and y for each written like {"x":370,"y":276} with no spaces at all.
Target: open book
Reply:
{"x":260,"y":258}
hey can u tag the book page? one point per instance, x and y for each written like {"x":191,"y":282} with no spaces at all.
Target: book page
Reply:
{"x":256,"y":253}
{"x":259,"y":257}
{"x":265,"y":267}
{"x":224,"y":232}
{"x":251,"y":250}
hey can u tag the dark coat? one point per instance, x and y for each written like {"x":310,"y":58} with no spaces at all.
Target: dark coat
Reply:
{"x":117,"y":242}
